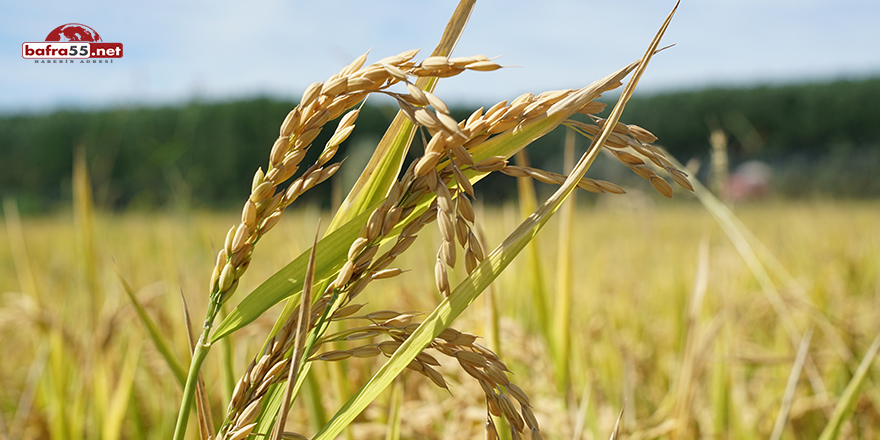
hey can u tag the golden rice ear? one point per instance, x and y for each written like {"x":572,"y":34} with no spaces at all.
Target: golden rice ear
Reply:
{"x":388,"y":206}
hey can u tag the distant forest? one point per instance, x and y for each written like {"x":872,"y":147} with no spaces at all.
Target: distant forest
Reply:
{"x":821,"y":139}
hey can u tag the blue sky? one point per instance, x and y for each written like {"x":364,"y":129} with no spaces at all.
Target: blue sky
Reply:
{"x":214,"y":50}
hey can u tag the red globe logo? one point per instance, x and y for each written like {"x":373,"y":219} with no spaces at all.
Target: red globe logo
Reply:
{"x":74,"y":32}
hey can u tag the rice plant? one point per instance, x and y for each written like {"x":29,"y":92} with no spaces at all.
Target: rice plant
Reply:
{"x":389,"y":208}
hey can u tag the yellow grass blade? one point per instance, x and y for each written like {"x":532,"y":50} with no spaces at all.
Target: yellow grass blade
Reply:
{"x":98,"y":405}
{"x":720,"y":387}
{"x":850,"y":394}
{"x":561,"y":332}
{"x":59,"y":409}
{"x":689,"y":370}
{"x":177,"y":369}
{"x":616,"y":432}
{"x":392,"y":430}
{"x":790,"y":387}
{"x":534,"y":269}
{"x":84,"y":218}
{"x":302,"y":328}
{"x":122,"y":393}
{"x":585,"y":414}
{"x":36,"y":370}
{"x":23,"y":270}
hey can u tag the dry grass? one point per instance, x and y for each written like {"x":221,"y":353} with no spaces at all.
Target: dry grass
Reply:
{"x":628,"y":328}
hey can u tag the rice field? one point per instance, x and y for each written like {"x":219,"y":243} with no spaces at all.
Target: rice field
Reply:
{"x":667,"y":321}
{"x":627,"y":316}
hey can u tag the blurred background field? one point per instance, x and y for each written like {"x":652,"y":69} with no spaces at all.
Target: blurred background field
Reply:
{"x":73,"y":340}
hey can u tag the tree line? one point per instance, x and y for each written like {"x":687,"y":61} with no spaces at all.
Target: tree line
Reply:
{"x":204,"y":153}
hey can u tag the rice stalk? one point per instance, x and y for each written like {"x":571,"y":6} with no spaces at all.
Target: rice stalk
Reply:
{"x":718,"y":155}
{"x":122,"y":393}
{"x":379,"y":174}
{"x":533,"y":267}
{"x":28,"y":284}
{"x":84,"y":219}
{"x":616,"y":432}
{"x":790,"y":387}
{"x":690,"y":365}
{"x":93,"y":400}
{"x":302,"y":328}
{"x":395,"y":412}
{"x":845,"y":403}
{"x":261,"y":212}
{"x":436,"y":187}
{"x":489,"y":155}
{"x":463,"y":295}
{"x":25,"y":404}
{"x":561,"y":336}
{"x":720,"y":386}
{"x":159,"y":341}
{"x":586,"y":416}
{"x":24,"y":271}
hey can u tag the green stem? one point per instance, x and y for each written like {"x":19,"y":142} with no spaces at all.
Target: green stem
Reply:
{"x":200,"y":353}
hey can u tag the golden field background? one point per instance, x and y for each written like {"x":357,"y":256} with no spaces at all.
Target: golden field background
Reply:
{"x":77,"y":362}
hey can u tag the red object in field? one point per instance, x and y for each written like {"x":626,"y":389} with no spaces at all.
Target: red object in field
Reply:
{"x":751,"y":180}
